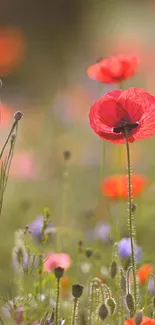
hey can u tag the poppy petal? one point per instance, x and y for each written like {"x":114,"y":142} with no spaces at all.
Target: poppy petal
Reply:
{"x":134,"y":101}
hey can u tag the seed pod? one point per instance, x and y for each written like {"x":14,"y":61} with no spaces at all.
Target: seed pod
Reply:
{"x":103,"y":312}
{"x":138,"y":317}
{"x":123,"y":283}
{"x":59,"y":271}
{"x":18,"y":116}
{"x":77,"y":290}
{"x":111,"y":304}
{"x":130,"y":302}
{"x":89,"y":252}
{"x":113,"y":269}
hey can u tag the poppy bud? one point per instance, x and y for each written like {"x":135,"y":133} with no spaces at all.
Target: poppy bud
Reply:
{"x":59,"y":271}
{"x":77,"y":290}
{"x":18,"y":116}
{"x":130,"y":302}
{"x":80,"y":243}
{"x":67,"y":155}
{"x":111,"y":304}
{"x":113,"y":269}
{"x":123,"y":283}
{"x":103,"y":312}
{"x":138,"y":317}
{"x":89,"y":252}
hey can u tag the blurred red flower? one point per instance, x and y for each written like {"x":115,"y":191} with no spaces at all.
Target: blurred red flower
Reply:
{"x":55,"y":260}
{"x":143,"y":272}
{"x":65,"y":285}
{"x":116,"y":186}
{"x":5,"y":115}
{"x":23,"y":166}
{"x":12,"y":48}
{"x":114,"y":69}
{"x":145,"y":321}
{"x":133,"y":108}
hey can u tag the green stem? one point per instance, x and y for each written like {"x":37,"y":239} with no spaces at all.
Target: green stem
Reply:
{"x":65,"y":194}
{"x":74,"y":311}
{"x":57,"y":303}
{"x":9,"y":135}
{"x":131,"y":221}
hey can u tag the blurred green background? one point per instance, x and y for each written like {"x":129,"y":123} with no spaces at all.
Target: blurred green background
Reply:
{"x":55,"y":42}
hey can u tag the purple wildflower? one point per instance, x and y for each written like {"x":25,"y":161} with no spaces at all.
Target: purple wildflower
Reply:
{"x":21,"y":260}
{"x":36,"y":227}
{"x":102,"y":232}
{"x":124,"y":249}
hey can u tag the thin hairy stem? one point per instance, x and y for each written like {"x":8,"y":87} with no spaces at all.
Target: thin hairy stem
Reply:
{"x":73,"y":322}
{"x":57,"y":303}
{"x":130,"y":217}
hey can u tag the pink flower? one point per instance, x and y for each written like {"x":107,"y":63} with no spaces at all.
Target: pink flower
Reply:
{"x":23,"y":166}
{"x":57,"y":260}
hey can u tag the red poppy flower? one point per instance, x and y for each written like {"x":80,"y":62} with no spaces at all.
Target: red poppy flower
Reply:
{"x":145,"y":321}
{"x":133,"y":108}
{"x":143,"y":273}
{"x":116,"y":186}
{"x":114,"y":69}
{"x":13,"y":48}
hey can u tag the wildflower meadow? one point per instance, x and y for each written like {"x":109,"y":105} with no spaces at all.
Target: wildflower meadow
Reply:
{"x":77,"y":172}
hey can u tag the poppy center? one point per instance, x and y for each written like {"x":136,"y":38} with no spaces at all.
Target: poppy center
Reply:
{"x":125,"y":125}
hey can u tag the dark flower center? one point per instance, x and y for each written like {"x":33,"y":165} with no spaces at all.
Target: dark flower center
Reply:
{"x":125,"y":125}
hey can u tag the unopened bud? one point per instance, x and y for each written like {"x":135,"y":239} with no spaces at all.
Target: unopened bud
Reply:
{"x":123,"y":283}
{"x":67,"y":154}
{"x":77,"y":290}
{"x":80,"y":243}
{"x":113,"y":269}
{"x":111,"y":304}
{"x":18,"y":116}
{"x":89,"y":252}
{"x":59,"y":271}
{"x":138,"y":317}
{"x":103,"y":312}
{"x":130,"y":302}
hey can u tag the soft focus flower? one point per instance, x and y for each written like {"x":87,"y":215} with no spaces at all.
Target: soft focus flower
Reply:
{"x":36,"y":227}
{"x":5,"y":115}
{"x":151,"y":286}
{"x":116,"y":186}
{"x":102,"y":232}
{"x":114,"y":69}
{"x":23,"y":166}
{"x":18,"y":315}
{"x":143,"y":272}
{"x":145,"y":321}
{"x":124,"y":249}
{"x":55,"y":260}
{"x":10,"y":310}
{"x":133,"y":109}
{"x":13,"y":48}
{"x":65,"y":285}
